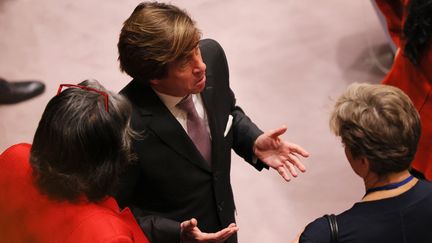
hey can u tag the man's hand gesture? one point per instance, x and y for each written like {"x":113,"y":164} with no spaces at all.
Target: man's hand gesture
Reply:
{"x":190,"y":233}
{"x":278,"y":154}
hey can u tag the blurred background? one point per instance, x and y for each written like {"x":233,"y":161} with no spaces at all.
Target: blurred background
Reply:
{"x":289,"y":61}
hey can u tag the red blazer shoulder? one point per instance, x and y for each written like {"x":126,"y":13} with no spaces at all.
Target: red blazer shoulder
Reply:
{"x":30,"y":216}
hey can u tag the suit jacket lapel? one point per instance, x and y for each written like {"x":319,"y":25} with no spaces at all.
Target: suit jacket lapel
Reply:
{"x":208,"y":100}
{"x":166,"y":126}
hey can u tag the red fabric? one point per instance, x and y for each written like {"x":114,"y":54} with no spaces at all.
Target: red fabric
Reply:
{"x":415,"y":81}
{"x":28,"y":216}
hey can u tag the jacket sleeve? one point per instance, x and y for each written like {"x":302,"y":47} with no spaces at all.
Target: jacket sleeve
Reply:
{"x":157,"y":228}
{"x":245,"y":133}
{"x":393,"y":11}
{"x":126,"y":185}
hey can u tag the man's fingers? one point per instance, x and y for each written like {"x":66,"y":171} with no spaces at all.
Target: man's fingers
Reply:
{"x":191,"y":233}
{"x":279,"y":164}
{"x":188,"y":225}
{"x":294,"y":160}
{"x":282,"y":171}
{"x":277,"y":132}
{"x":291,"y":168}
{"x":223,"y":234}
{"x":220,"y":236}
{"x":232,"y":225}
{"x":227,"y":235}
{"x":294,"y":148}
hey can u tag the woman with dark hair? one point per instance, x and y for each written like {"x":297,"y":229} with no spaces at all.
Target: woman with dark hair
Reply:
{"x":380,"y":129}
{"x":57,"y":189}
{"x":410,"y":26}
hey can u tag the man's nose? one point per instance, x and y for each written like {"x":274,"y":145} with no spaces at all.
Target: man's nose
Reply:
{"x":200,"y":66}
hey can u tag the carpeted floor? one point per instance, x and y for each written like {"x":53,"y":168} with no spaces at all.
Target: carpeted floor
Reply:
{"x":288,"y":61}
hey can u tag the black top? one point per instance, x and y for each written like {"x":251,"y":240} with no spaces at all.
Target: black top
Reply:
{"x":404,"y":218}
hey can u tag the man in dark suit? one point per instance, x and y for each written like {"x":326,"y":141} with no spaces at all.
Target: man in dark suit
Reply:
{"x":180,"y":181}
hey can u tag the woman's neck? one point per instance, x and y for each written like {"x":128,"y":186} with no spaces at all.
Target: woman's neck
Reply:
{"x":372,"y":181}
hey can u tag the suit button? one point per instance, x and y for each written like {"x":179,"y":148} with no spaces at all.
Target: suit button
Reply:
{"x":215,"y":176}
{"x":220,"y":206}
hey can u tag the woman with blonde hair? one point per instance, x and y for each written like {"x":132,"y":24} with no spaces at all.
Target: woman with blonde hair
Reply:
{"x":380,"y":129}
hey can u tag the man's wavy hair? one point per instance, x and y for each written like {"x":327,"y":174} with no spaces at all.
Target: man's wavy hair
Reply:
{"x":155,"y":35}
{"x":418,"y":29}
{"x":378,"y":122}
{"x":79,"y":148}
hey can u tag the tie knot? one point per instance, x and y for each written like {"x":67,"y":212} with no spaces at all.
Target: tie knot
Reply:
{"x":186,"y":104}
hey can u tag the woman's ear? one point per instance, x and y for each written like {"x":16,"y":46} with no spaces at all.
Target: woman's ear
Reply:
{"x":364,"y":165}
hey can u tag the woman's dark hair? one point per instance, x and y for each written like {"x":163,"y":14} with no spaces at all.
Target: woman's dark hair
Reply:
{"x":80,"y":148}
{"x":417,"y":29}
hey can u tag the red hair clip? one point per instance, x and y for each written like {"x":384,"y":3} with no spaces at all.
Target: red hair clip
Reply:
{"x":86,"y":88}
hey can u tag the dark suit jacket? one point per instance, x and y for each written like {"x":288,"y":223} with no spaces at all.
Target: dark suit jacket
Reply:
{"x":171,"y":180}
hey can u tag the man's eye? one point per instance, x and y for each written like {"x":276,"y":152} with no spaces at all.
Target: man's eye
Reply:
{"x":184,"y":62}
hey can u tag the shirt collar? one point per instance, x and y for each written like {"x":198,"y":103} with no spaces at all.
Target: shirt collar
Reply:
{"x":169,"y":100}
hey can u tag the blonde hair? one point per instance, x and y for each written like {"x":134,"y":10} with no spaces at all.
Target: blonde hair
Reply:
{"x":155,"y":35}
{"x":378,"y":122}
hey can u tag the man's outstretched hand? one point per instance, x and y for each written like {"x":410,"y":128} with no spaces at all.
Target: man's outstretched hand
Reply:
{"x":279,"y":154}
{"x":190,"y":233}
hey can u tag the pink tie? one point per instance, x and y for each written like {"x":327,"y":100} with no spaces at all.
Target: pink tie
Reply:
{"x":196,"y":128}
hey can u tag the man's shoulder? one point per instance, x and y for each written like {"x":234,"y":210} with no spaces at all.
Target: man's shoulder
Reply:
{"x":214,"y":57}
{"x":138,"y":93}
{"x":134,"y":85}
{"x":211,"y":49}
{"x":210,"y":43}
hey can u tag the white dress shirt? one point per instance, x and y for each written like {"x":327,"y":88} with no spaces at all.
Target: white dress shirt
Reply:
{"x":171,"y":101}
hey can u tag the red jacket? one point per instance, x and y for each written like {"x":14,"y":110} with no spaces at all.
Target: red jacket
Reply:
{"x":28,"y":216}
{"x":415,"y":81}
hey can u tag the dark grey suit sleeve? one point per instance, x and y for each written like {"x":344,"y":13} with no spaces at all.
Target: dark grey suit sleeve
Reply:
{"x":158,"y":229}
{"x":245,"y":133}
